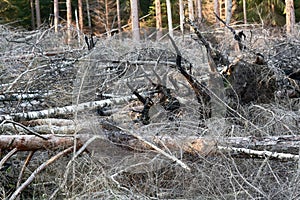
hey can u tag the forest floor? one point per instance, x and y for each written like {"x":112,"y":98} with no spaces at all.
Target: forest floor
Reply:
{"x":40,"y":72}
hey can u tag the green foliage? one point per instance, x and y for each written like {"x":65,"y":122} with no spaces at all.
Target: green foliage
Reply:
{"x":297,"y":9}
{"x":18,"y":11}
{"x":5,"y":6}
{"x":144,"y":7}
{"x":15,"y":10}
{"x":175,"y":13}
{"x":270,"y":12}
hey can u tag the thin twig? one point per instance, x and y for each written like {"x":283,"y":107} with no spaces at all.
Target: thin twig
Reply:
{"x":38,"y":170}
{"x":24,"y":167}
{"x":24,"y":127}
{"x":86,"y":144}
{"x":183,"y":165}
{"x":7,"y":156}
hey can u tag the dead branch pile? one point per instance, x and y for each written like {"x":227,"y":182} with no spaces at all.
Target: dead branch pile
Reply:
{"x":178,"y":119}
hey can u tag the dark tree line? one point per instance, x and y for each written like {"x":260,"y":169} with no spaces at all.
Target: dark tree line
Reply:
{"x":104,"y":12}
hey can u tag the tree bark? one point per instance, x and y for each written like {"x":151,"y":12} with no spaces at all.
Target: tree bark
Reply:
{"x":170,"y":22}
{"x":217,"y":11}
{"x":56,"y":15}
{"x":181,"y":15}
{"x":158,"y":19}
{"x":107,"y":26}
{"x":135,"y":20}
{"x":228,"y":9}
{"x":199,"y":10}
{"x":191,"y":11}
{"x":119,"y":19}
{"x":32,"y":14}
{"x":65,"y":111}
{"x":69,"y":20}
{"x":277,"y":147}
{"x":290,"y":16}
{"x":34,"y":143}
{"x":89,"y":15}
{"x":80,"y":13}
{"x":38,"y":13}
{"x":245,"y":11}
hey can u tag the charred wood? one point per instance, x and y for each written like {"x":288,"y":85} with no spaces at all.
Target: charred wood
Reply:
{"x":147,"y":102}
{"x":200,"y":90}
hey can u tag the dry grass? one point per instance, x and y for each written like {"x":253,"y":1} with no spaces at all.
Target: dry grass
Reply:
{"x":109,"y":171}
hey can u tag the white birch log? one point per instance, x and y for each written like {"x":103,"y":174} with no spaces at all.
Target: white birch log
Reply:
{"x":67,"y":110}
{"x":18,"y":97}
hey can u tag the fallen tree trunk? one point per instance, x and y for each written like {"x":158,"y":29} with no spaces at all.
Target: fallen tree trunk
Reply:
{"x":34,"y":143}
{"x":41,"y":129}
{"x":67,"y":110}
{"x":198,"y":146}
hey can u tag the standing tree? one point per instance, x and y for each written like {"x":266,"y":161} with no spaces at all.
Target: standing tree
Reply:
{"x":290,"y":16}
{"x":158,"y":19}
{"x":32,"y":14}
{"x":228,"y":8}
{"x":69,"y":20}
{"x":38,"y":13}
{"x":217,"y":11}
{"x":119,"y":18}
{"x":245,"y":11}
{"x":89,"y":15}
{"x":181,"y":15}
{"x":56,"y":15}
{"x":199,"y":10}
{"x":80,"y":13}
{"x":107,"y":26}
{"x":191,"y":10}
{"x":169,"y":13}
{"x":135,"y":20}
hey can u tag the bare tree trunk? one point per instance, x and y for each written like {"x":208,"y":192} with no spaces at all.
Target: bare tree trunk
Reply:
{"x":169,"y":13}
{"x":80,"y":13}
{"x":69,"y":20}
{"x":56,"y":15}
{"x":290,"y":16}
{"x":158,"y":19}
{"x":107,"y":27}
{"x":191,"y":10}
{"x":135,"y":20}
{"x":228,"y":9}
{"x":119,"y":19}
{"x":199,"y":10}
{"x":89,"y":15}
{"x":38,"y":13}
{"x":181,"y":15}
{"x":77,"y":27}
{"x":32,"y":14}
{"x":245,"y":11}
{"x":217,"y":11}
